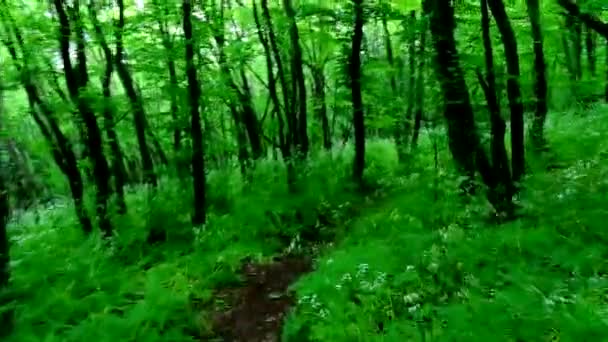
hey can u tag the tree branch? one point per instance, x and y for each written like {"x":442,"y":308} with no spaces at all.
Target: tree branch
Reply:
{"x":589,"y":19}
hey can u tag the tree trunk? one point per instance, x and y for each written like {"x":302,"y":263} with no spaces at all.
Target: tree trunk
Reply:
{"x":513,"y":89}
{"x":503,"y":189}
{"x":118,"y":166}
{"x":590,"y":42}
{"x":139,"y":114}
{"x":292,"y":136}
{"x":463,"y":139}
{"x":5,"y":316}
{"x":590,"y":20}
{"x":388,"y":45}
{"x":318,"y":76}
{"x":77,"y":79}
{"x":173,"y":83}
{"x":540,"y":84}
{"x":298,"y":80}
{"x":250,"y":118}
{"x":355,"y":77}
{"x":198,"y":161}
{"x":61,"y":149}
{"x":406,"y":125}
{"x":576,"y":32}
{"x":420,"y":81}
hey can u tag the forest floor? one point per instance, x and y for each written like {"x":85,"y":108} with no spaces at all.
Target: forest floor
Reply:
{"x":413,"y":263}
{"x":255,"y":310}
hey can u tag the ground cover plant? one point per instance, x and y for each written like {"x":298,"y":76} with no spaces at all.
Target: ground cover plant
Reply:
{"x":364,"y":170}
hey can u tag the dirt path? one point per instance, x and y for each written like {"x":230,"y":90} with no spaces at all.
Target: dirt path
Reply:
{"x":258,"y":307}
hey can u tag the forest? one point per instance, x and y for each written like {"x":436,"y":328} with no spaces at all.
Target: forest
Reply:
{"x":303,"y":170}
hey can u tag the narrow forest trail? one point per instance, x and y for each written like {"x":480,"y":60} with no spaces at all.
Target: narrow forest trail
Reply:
{"x":256,"y":309}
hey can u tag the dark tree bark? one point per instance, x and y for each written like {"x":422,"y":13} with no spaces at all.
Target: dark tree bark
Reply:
{"x":77,"y":79}
{"x":503,"y":191}
{"x":6,"y":316}
{"x":406,"y":125}
{"x":320,"y":105}
{"x":232,"y":101}
{"x":576,"y":33}
{"x":272,"y":89}
{"x":250,"y":118}
{"x":139,"y":114}
{"x":198,"y":161}
{"x":590,"y":20}
{"x":291,"y":137}
{"x":540,"y":84}
{"x":463,"y":139}
{"x":173,"y":83}
{"x":420,"y":81}
{"x":118,"y":166}
{"x":61,"y":148}
{"x":398,"y":129}
{"x":590,"y":42}
{"x":298,"y":81}
{"x":355,"y":78}
{"x":513,"y":89}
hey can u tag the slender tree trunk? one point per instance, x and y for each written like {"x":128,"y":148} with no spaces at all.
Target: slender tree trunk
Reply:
{"x":406,"y":125}
{"x":569,"y":60}
{"x":139,"y":114}
{"x":198,"y":161}
{"x":272,"y":89}
{"x":318,"y":76}
{"x":118,"y":167}
{"x":250,"y":118}
{"x":513,"y":89}
{"x":173,"y":83}
{"x":355,"y":76}
{"x":5,"y":316}
{"x":388,"y":45}
{"x":503,"y":189}
{"x":299,"y":88}
{"x":292,"y":136}
{"x":577,"y":46}
{"x":591,"y":20}
{"x":77,"y":79}
{"x":420,"y":80}
{"x":540,"y":84}
{"x":590,"y":42}
{"x":237,"y":115}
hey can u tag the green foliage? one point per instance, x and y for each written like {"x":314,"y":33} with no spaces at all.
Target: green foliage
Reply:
{"x":428,"y":270}
{"x":414,"y":263}
{"x":67,"y":289}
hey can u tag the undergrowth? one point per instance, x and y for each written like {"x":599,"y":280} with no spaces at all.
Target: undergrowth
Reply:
{"x":422,"y":268}
{"x":418,"y":265}
{"x":68,"y":288}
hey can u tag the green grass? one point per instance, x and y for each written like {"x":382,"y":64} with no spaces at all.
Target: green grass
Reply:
{"x":419,"y":262}
{"x":69,"y":288}
{"x":417,"y":269}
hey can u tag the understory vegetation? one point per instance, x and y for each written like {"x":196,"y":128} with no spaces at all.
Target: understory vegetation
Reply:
{"x":300,"y":171}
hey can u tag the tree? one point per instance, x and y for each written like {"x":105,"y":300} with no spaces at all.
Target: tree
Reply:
{"x":61,"y":147}
{"x":77,"y":79}
{"x":355,"y":79}
{"x":139,"y":113}
{"x":198,"y":162}
{"x":540,"y":84}
{"x":463,"y":139}
{"x":513,"y":89}
{"x":5,"y":316}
